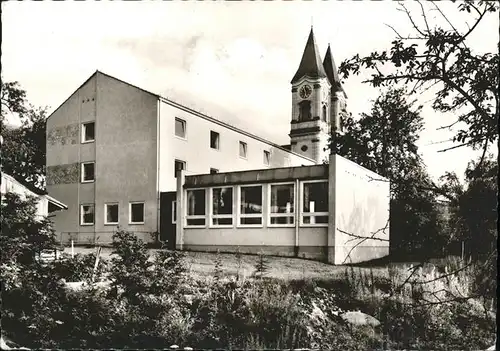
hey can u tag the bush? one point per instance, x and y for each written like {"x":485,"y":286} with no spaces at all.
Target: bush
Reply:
{"x":80,"y":268}
{"x":151,"y":304}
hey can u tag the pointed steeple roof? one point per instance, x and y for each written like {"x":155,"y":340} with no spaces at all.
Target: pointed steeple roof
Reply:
{"x":310,"y":65}
{"x":331,"y":71}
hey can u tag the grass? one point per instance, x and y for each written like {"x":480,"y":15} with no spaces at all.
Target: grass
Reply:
{"x":288,"y":268}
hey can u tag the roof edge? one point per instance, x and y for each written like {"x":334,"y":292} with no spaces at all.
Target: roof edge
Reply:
{"x":190,"y":110}
{"x":236,"y":129}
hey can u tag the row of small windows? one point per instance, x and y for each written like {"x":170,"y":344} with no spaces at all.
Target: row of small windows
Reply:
{"x":249,"y":209}
{"x":111,"y":213}
{"x":181,"y":132}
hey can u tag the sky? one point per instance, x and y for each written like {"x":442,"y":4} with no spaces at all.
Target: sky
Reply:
{"x":231,"y":60}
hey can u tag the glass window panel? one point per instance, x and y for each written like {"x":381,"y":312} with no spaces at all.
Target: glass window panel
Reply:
{"x":282,"y":197}
{"x":282,"y":220}
{"x":251,"y":199}
{"x":180,"y":127}
{"x":195,"y":221}
{"x":222,"y":221}
{"x":137,"y":213}
{"x":88,"y":171}
{"x":222,"y":199}
{"x":251,"y":220}
{"x":196,"y":202}
{"x":267,"y":157}
{"x":88,"y":131}
{"x":214,"y":140}
{"x":88,"y":214}
{"x":315,"y":197}
{"x":243,"y":149}
{"x":179,"y":165}
{"x":112,"y":213}
{"x":315,"y":219}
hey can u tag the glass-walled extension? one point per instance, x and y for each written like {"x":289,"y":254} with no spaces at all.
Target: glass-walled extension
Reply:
{"x":337,"y":212}
{"x":270,"y":211}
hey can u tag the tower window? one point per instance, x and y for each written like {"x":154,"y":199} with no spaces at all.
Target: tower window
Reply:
{"x":304,"y":110}
{"x":324,"y":113}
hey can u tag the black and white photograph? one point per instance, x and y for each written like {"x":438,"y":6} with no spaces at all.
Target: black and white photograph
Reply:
{"x":249,"y":175}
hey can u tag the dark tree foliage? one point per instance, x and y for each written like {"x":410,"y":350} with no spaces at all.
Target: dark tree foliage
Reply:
{"x":23,"y":148}
{"x":474,"y":207}
{"x":436,"y":57}
{"x":23,"y":235}
{"x":384,"y":141}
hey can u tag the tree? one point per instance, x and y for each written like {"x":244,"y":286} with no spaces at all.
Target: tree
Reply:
{"x":22,"y":235}
{"x":23,"y":148}
{"x":435,"y":57}
{"x":474,"y":206}
{"x":384,"y":141}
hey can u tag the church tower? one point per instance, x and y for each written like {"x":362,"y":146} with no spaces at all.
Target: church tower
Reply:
{"x":311,"y":105}
{"x":338,"y":97}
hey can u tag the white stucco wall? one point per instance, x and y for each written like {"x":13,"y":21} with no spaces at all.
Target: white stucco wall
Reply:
{"x":195,"y":150}
{"x":362,"y":209}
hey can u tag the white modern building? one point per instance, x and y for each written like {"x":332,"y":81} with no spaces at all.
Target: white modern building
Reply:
{"x":113,"y":150}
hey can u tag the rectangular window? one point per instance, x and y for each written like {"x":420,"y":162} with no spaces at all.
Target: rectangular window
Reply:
{"x":214,"y":171}
{"x":88,"y":169}
{"x":282,"y":207}
{"x":136,"y":213}
{"x":88,"y":132}
{"x":87,"y":214}
{"x":214,"y":140}
{"x":250,"y":205}
{"x":267,"y":157}
{"x":243,"y":149}
{"x":180,"y":128}
{"x":178,"y":165}
{"x":222,"y":206}
{"x":111,"y":213}
{"x":195,"y":207}
{"x":315,"y":203}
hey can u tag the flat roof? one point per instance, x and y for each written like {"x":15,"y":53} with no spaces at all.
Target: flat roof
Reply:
{"x":267,"y":175}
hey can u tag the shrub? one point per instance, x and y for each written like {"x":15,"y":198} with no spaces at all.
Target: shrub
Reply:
{"x":80,"y":268}
{"x":22,"y":235}
{"x":218,"y":272}
{"x":262,"y":266}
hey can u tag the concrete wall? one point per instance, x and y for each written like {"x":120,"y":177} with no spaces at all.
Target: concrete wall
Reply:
{"x":65,"y":152}
{"x":124,"y":152}
{"x":126,"y":147}
{"x":195,"y":149}
{"x":362,"y":211}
